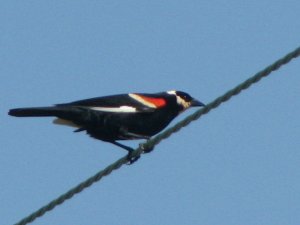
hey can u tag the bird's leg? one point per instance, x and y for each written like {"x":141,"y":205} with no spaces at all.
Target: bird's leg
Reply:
{"x":131,"y":135}
{"x":130,"y":150}
{"x":136,"y":136}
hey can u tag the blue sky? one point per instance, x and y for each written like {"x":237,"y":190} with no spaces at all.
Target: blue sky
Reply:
{"x":237,"y":165}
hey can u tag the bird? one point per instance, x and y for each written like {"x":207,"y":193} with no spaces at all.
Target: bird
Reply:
{"x":118,"y":117}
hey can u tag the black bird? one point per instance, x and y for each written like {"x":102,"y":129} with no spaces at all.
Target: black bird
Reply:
{"x":117,"y":117}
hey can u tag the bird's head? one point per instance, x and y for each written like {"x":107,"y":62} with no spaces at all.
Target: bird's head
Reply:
{"x":184,"y":100}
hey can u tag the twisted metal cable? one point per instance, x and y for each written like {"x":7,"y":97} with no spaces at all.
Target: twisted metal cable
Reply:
{"x":150,"y":144}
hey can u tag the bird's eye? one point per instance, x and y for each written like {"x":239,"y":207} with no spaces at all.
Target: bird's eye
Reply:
{"x":184,"y":96}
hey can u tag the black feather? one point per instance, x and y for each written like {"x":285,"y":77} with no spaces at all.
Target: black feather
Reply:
{"x":33,"y":112}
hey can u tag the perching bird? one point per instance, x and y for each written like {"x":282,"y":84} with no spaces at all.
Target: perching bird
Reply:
{"x":117,"y":117}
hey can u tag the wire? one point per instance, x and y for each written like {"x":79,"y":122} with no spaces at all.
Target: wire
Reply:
{"x":150,"y":144}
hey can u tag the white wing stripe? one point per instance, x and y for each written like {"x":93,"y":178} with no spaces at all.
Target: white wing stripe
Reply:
{"x":122,"y":109}
{"x":141,"y":100}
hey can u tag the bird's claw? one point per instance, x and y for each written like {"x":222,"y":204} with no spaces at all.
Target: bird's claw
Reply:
{"x":131,"y":159}
{"x":146,"y":149}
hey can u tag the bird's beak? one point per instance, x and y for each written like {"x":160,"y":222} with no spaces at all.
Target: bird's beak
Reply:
{"x":195,"y":103}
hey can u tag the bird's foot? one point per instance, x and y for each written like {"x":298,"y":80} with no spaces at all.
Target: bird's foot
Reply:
{"x":131,"y":159}
{"x":145,"y":148}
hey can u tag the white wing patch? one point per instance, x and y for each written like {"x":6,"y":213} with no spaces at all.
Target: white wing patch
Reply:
{"x":141,"y":100}
{"x":121,"y":109}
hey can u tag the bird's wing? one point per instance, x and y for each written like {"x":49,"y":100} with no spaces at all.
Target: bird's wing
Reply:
{"x":120,"y":103}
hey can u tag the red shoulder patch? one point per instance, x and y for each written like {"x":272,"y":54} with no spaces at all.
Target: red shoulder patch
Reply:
{"x":157,"y":102}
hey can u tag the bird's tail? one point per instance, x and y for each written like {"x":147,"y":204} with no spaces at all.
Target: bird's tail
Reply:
{"x":36,"y":111}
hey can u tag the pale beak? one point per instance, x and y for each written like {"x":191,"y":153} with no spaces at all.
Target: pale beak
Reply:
{"x":195,"y":103}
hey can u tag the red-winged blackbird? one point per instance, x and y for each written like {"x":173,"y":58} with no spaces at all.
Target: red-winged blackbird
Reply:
{"x":117,"y":117}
